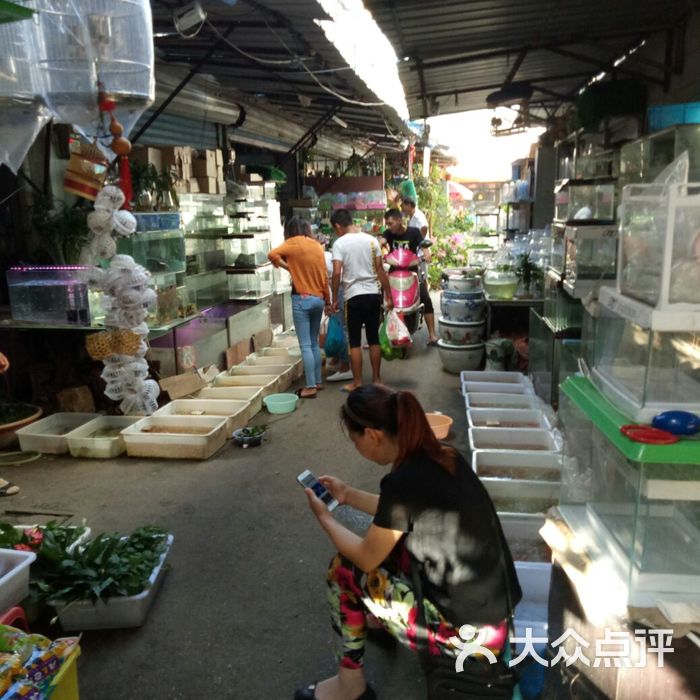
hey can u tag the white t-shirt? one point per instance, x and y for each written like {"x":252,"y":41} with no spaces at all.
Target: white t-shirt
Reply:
{"x":418,"y":220}
{"x":358,"y":252}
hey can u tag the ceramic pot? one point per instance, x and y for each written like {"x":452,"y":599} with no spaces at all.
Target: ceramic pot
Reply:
{"x":463,"y":307}
{"x":456,"y":358}
{"x":456,"y":333}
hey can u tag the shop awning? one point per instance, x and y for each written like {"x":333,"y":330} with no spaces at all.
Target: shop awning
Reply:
{"x":454,"y":54}
{"x":274,"y":55}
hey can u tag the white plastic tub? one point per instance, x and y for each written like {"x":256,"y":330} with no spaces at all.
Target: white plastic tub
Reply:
{"x":498,"y":387}
{"x":14,"y":576}
{"x":514,"y":439}
{"x":284,"y":374}
{"x":176,"y":445}
{"x":83,"y":443}
{"x":493,"y":376}
{"x":514,"y":465}
{"x":237,"y":413}
{"x":507,"y":418}
{"x":49,"y":435}
{"x":252,"y":394}
{"x":116,"y":612}
{"x":294,"y":364}
{"x":501,"y":400}
{"x":267,"y":383}
{"x":531,"y":611}
{"x":522,"y":533}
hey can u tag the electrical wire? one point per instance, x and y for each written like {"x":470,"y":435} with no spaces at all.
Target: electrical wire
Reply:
{"x":257,"y":59}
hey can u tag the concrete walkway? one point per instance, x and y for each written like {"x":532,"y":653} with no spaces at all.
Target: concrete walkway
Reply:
{"x":242,"y":612}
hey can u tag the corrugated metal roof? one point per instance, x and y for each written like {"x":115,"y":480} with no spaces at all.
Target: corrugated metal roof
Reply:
{"x":455,"y":53}
{"x":274,"y":30}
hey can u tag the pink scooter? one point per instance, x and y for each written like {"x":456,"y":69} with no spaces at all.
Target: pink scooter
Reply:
{"x":404,"y":283}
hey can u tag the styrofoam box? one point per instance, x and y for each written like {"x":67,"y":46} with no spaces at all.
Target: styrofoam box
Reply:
{"x":497,"y":388}
{"x":283,"y":373}
{"x":267,"y":383}
{"x":295,"y":363}
{"x":14,"y":576}
{"x":500,"y":400}
{"x":176,"y":445}
{"x":235,"y":393}
{"x":507,"y":418}
{"x":80,"y":444}
{"x":514,"y":439}
{"x":531,"y":611}
{"x":49,"y":435}
{"x":493,"y":376}
{"x":82,"y":539}
{"x":117,"y":611}
{"x":237,"y":412}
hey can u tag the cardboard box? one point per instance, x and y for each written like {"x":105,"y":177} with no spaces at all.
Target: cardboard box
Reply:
{"x":219,"y":157}
{"x":147,"y":155}
{"x":204,"y":167}
{"x":192,"y":186}
{"x":207,"y":185}
{"x":221,"y":187}
{"x":220,"y":172}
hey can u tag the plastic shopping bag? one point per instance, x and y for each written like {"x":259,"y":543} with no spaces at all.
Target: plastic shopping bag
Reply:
{"x":388,"y":351}
{"x":323,"y":332}
{"x":396,"y":330}
{"x":335,"y":337}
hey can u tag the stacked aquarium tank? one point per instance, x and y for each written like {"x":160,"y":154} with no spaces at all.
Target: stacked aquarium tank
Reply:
{"x":585,"y":200}
{"x":637,"y":506}
{"x":52,"y":295}
{"x":590,"y":258}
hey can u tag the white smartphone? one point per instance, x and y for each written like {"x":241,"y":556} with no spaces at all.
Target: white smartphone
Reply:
{"x":309,"y":481}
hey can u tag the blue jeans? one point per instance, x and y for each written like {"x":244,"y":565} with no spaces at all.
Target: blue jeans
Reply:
{"x":307,"y":312}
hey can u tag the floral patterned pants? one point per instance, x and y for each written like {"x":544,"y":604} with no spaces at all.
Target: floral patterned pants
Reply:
{"x":387,"y":594}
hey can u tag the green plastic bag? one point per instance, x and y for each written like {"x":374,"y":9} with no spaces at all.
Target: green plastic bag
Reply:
{"x":389,"y":352}
{"x":408,"y":189}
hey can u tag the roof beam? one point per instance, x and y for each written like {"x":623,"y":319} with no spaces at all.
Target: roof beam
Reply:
{"x":423,"y":96}
{"x":515,"y":68}
{"x":607,"y":66}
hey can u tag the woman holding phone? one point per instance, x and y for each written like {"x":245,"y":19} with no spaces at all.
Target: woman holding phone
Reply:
{"x":433,"y":522}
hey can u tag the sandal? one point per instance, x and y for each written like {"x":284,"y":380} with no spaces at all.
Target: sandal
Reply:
{"x":309,"y":693}
{"x":308,"y":396}
{"x":8,"y":488}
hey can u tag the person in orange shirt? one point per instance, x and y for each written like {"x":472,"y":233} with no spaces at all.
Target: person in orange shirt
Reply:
{"x":303,"y":257}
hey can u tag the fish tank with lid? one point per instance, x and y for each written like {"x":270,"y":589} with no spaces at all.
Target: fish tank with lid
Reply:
{"x":660,"y":246}
{"x":642,"y":370}
{"x":53,"y":294}
{"x":585,"y":200}
{"x":248,"y":250}
{"x":637,"y":505}
{"x":158,"y":251}
{"x":590,"y":256}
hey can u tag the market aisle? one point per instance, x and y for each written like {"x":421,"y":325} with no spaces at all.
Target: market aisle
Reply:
{"x":242,"y":612}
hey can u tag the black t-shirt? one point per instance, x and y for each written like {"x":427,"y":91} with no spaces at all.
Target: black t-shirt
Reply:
{"x":412,"y":237}
{"x":454,"y":534}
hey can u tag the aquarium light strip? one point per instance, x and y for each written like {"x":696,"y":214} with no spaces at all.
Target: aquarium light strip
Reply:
{"x":33,"y":268}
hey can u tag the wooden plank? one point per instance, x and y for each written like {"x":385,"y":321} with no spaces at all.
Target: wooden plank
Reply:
{"x":182,"y":385}
{"x":262,"y":340}
{"x":237,"y":353}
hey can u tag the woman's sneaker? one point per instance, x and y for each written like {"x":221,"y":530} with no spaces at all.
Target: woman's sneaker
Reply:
{"x":340,"y":376}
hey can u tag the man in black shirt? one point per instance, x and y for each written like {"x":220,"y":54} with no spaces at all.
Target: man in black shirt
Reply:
{"x":397,"y":235}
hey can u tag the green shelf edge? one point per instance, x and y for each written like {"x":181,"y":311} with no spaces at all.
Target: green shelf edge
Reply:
{"x":583,"y":393}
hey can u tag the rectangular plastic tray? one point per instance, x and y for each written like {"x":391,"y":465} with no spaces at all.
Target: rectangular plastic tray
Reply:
{"x":83,"y":538}
{"x":50,"y":435}
{"x":14,"y":576}
{"x":507,"y":418}
{"x":501,"y":400}
{"x":531,"y":611}
{"x":81,"y":444}
{"x":500,"y":439}
{"x":493,"y":376}
{"x":514,"y":465}
{"x":284,"y":374}
{"x":267,"y":383}
{"x":253,"y":394}
{"x":237,"y":412}
{"x":497,"y":388}
{"x":117,"y":611}
{"x":164,"y":445}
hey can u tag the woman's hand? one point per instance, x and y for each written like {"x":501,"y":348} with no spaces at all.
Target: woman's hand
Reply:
{"x":318,"y":507}
{"x":338,"y":489}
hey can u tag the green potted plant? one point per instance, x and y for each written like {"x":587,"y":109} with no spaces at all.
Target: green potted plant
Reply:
{"x":144,"y":177}
{"x":531,"y":276}
{"x":166,"y":196}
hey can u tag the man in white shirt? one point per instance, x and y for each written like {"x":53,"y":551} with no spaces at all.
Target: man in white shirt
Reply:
{"x":416,"y":218}
{"x":357,"y":262}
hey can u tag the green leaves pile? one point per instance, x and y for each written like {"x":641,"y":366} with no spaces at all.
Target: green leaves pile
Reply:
{"x":109,"y":565}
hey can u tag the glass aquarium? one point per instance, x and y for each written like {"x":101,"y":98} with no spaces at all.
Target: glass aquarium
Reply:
{"x":644,"y":371}
{"x":170,"y":303}
{"x":206,"y":289}
{"x":157,"y":221}
{"x":204,"y":253}
{"x":660,"y":245}
{"x":556,"y":258}
{"x":561,"y":309}
{"x":52,"y":295}
{"x":597,"y":164}
{"x":500,"y":284}
{"x":638,"y":506}
{"x":590,"y":253}
{"x":246,"y":284}
{"x":585,"y":200}
{"x":157,"y":251}
{"x":247,"y":251}
{"x":643,"y":160}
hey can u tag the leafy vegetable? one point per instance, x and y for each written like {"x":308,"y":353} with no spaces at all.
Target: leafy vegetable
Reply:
{"x":109,"y":565}
{"x":253,"y":431}
{"x":45,"y":540}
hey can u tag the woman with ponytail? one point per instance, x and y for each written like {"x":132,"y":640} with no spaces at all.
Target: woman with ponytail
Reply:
{"x":433,"y":525}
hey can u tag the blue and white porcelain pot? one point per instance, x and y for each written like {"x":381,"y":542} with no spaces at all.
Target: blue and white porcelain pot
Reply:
{"x":463,"y":307}
{"x":456,"y":333}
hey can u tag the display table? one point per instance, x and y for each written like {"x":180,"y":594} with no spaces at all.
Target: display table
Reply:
{"x":509,"y":315}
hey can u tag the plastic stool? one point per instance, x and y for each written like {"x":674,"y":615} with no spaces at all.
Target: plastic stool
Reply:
{"x":15,"y":617}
